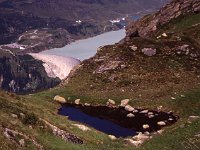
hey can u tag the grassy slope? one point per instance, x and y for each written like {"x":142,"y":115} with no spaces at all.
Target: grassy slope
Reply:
{"x":178,"y":136}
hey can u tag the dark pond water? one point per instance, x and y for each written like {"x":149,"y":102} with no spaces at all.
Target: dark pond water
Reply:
{"x":102,"y":125}
{"x":114,"y":120}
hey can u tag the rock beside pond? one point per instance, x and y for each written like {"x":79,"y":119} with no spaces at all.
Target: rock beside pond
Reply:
{"x":82,"y":127}
{"x":141,"y":137}
{"x":111,"y":102}
{"x":112,"y":137}
{"x":86,"y":104}
{"x":60,"y":99}
{"x":161,"y":123}
{"x":129,"y":108}
{"x":77,"y":101}
{"x":130,"y":115}
{"x":145,"y":126}
{"x":133,"y":142}
{"x":124,"y":102}
{"x":144,"y":112}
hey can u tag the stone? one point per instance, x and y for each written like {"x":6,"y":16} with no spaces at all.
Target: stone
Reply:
{"x":22,"y":115}
{"x":14,"y":116}
{"x":112,"y":102}
{"x":22,"y":142}
{"x":144,"y":112}
{"x":133,"y":142}
{"x":112,"y":137}
{"x":141,"y":137}
{"x":164,"y":34}
{"x":149,"y":51}
{"x":145,"y":126}
{"x":133,"y":47}
{"x":82,"y":127}
{"x":124,"y":102}
{"x":160,"y":131}
{"x":129,"y":108}
{"x":173,"y":98}
{"x":161,"y":123}
{"x":150,"y":113}
{"x":135,"y":111}
{"x":192,"y":118}
{"x":60,"y":99}
{"x":130,"y":115}
{"x":86,"y":104}
{"x":77,"y":101}
{"x":151,"y":116}
{"x":182,"y":95}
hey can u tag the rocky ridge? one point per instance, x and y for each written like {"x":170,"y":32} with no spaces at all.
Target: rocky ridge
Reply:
{"x":149,"y":24}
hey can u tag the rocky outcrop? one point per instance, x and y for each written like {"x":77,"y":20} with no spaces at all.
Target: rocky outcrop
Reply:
{"x":148,"y":25}
{"x":23,"y":74}
{"x":13,"y":135}
{"x":63,"y":134}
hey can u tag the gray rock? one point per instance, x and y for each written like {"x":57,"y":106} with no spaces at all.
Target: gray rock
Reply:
{"x":130,"y":115}
{"x":14,"y":116}
{"x":149,"y":51}
{"x":124,"y":102}
{"x":77,"y":101}
{"x":60,"y":99}
{"x":129,"y":108}
{"x":145,"y":126}
{"x":22,"y":142}
{"x":161,"y":123}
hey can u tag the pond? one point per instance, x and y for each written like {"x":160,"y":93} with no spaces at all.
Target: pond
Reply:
{"x":114,"y":120}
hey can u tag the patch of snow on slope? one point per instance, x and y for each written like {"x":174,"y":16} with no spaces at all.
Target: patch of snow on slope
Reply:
{"x":56,"y":66}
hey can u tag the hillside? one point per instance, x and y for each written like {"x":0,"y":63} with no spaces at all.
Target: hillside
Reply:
{"x":147,"y":64}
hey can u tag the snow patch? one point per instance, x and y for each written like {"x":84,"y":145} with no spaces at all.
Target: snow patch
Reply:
{"x":56,"y":66}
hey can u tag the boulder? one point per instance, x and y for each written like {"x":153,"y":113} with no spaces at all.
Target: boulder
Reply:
{"x":77,"y":101}
{"x":124,"y":102}
{"x":60,"y":99}
{"x":112,"y":137}
{"x":14,"y":116}
{"x":82,"y":127}
{"x":149,"y":51}
{"x":22,"y":142}
{"x":130,"y":115}
{"x":161,"y":123}
{"x":86,"y":104}
{"x":144,"y":112}
{"x":133,"y":142}
{"x":133,"y":47}
{"x":112,"y":102}
{"x":145,"y":126}
{"x":141,"y":137}
{"x":129,"y":108}
{"x":193,"y":118}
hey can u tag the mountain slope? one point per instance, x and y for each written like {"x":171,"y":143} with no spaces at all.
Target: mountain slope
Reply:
{"x":85,"y":9}
{"x":143,"y":66}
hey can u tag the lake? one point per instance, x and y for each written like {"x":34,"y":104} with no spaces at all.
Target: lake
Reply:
{"x":86,"y":48}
